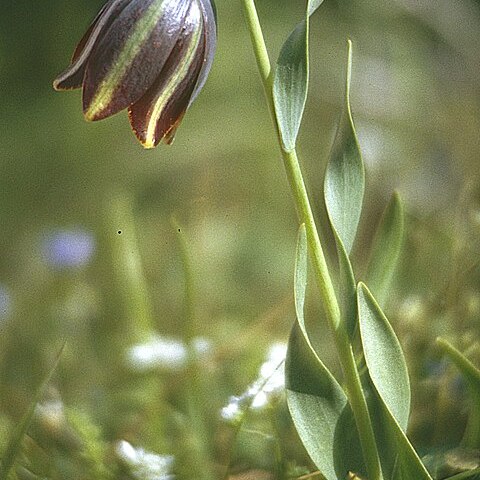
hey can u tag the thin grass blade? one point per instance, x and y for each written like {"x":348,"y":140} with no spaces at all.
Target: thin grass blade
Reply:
{"x":471,"y":374}
{"x":15,"y":444}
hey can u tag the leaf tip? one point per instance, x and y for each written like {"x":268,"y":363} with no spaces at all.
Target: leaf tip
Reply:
{"x":361,"y":287}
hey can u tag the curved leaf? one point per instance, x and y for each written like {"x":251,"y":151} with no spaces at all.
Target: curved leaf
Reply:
{"x":317,"y":403}
{"x":384,"y":357}
{"x":469,"y":371}
{"x":386,"y":249}
{"x":471,"y":374}
{"x":398,"y":458}
{"x":390,"y":402}
{"x":345,"y":175}
{"x":290,"y":83}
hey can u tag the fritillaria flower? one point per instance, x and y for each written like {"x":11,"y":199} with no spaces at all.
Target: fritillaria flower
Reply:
{"x":150,"y":56}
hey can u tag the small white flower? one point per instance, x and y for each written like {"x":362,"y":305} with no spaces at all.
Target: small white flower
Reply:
{"x":233,"y":411}
{"x":164,"y":352}
{"x":270,"y":381}
{"x":260,"y":400}
{"x":272,"y":371}
{"x":145,"y":465}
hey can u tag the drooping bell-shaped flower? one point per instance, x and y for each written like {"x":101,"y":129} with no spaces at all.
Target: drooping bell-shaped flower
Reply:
{"x":150,"y":56}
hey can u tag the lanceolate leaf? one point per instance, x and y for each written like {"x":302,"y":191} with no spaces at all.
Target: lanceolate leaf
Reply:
{"x":398,"y":458}
{"x":317,"y":403}
{"x":471,"y":374}
{"x":386,"y":249}
{"x":384,"y":357}
{"x":15,"y":444}
{"x":290,"y":85}
{"x":345,"y":175}
{"x":390,"y":400}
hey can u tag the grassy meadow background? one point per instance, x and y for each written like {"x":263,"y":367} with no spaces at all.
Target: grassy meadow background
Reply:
{"x":416,"y":103}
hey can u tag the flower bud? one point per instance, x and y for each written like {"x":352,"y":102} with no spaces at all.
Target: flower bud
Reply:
{"x":150,"y":56}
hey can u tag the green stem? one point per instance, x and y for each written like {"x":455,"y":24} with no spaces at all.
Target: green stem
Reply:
{"x":189,"y":312}
{"x":194,"y":388}
{"x":128,"y":269}
{"x":329,"y":300}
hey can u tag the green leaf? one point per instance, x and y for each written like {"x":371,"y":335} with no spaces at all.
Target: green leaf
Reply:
{"x":290,"y":85}
{"x":471,"y":374}
{"x":317,"y":403}
{"x":386,"y":249}
{"x":390,"y":402}
{"x":398,"y":458}
{"x":466,"y":367}
{"x":384,"y":357}
{"x":290,"y":82}
{"x":345,"y":175}
{"x":15,"y":444}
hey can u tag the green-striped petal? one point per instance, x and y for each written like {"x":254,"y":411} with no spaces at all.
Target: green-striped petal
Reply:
{"x":72,"y":77}
{"x":156,"y":116}
{"x":130,"y":56}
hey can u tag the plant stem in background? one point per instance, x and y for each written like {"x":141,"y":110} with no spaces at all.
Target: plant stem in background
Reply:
{"x":329,"y":301}
{"x":128,"y":271}
{"x":189,"y":301}
{"x":195,"y":394}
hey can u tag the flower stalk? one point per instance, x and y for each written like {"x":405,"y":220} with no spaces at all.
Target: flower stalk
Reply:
{"x":324,"y":282}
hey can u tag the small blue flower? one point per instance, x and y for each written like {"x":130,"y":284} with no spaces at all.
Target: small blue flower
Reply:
{"x":67,"y":248}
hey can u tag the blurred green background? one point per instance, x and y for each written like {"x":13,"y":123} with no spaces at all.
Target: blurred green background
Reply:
{"x":63,"y":181}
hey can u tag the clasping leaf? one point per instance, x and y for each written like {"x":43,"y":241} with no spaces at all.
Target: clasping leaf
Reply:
{"x":317,"y":403}
{"x":290,"y":83}
{"x":390,"y":405}
{"x":344,"y":190}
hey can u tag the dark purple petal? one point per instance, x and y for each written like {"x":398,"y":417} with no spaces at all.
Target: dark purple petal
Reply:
{"x":130,"y":56}
{"x":210,"y":26}
{"x":156,"y":116}
{"x":72,"y":77}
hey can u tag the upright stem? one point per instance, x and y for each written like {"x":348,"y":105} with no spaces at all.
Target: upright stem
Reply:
{"x":195,"y":388}
{"x":329,"y":300}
